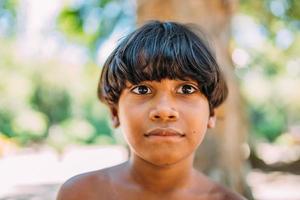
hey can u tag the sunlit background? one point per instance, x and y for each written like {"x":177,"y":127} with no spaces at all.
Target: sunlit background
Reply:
{"x":52,"y":126}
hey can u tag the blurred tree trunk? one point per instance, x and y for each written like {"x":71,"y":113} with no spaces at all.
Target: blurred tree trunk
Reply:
{"x":221,"y":155}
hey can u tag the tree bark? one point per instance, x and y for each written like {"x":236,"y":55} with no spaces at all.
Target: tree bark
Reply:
{"x":221,"y":155}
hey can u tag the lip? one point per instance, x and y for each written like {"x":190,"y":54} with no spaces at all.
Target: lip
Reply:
{"x":164,"y":132}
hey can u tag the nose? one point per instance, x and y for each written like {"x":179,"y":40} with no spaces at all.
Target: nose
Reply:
{"x":163,"y":111}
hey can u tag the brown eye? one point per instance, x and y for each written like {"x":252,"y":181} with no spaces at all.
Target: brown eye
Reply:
{"x":186,"y":89}
{"x":141,"y":89}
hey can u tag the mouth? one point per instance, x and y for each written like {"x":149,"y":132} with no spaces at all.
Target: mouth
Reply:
{"x":164,"y":132}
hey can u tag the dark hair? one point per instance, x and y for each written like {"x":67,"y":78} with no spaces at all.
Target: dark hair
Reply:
{"x":160,"y":50}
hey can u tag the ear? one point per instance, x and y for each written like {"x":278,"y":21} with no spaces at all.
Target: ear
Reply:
{"x":212,"y":121}
{"x":114,"y":116}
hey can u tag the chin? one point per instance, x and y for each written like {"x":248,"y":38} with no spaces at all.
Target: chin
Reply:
{"x":164,"y":159}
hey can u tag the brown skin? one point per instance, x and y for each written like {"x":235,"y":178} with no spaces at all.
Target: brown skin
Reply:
{"x":160,"y":167}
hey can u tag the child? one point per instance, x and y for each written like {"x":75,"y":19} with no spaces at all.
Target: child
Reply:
{"x":162,"y":84}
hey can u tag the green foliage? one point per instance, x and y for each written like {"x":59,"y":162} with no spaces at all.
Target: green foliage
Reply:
{"x":54,"y":102}
{"x":8,"y":16}
{"x":269,"y":121}
{"x":30,"y":126}
{"x":49,"y":102}
{"x":90,"y":22}
{"x":5,"y":123}
{"x":269,"y":78}
{"x":69,"y":22}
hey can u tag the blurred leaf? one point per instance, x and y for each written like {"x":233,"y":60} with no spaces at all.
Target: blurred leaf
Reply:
{"x":54,"y":102}
{"x":268,"y":121}
{"x":70,"y":22}
{"x":8,"y":9}
{"x":78,"y":129}
{"x":91,"y":22}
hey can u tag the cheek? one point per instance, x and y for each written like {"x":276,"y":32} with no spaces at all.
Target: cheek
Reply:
{"x":196,"y":121}
{"x":196,"y":131}
{"x":131,"y":115}
{"x":131,"y":118}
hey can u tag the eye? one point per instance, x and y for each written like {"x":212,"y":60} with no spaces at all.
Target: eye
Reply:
{"x":141,"y":90}
{"x":187,"y":89}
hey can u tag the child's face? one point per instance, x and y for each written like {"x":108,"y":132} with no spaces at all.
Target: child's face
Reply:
{"x":163,"y":122}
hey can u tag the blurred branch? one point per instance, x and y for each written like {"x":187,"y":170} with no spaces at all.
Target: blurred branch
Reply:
{"x":258,"y":163}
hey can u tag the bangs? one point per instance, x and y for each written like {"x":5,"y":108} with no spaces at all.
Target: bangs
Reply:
{"x":165,"y":53}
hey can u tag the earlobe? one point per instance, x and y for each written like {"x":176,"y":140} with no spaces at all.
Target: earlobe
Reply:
{"x":115,"y":122}
{"x":211,"y":121}
{"x":114,"y":116}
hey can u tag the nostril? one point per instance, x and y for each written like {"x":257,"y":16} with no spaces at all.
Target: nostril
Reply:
{"x":163,"y":115}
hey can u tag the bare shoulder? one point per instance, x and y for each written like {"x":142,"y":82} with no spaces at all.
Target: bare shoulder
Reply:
{"x":215,"y":191}
{"x":226,"y":194}
{"x":90,"y":185}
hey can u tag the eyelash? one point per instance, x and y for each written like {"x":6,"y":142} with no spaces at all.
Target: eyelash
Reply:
{"x":193,"y":87}
{"x":136,"y":87}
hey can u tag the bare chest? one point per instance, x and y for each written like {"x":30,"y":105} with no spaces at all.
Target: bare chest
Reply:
{"x":135,"y":194}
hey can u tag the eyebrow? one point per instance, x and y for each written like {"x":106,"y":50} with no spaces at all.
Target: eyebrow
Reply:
{"x":189,"y":81}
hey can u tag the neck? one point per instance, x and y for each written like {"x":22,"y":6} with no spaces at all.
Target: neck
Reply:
{"x":161,"y":178}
